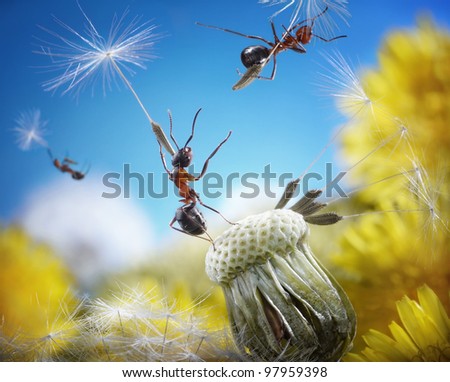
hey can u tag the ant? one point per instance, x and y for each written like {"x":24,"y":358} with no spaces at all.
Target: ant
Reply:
{"x":188,"y":216}
{"x":255,"y":57}
{"x":64,"y":166}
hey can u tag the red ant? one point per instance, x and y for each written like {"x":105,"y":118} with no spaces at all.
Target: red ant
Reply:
{"x":189,"y":218}
{"x":255,"y":57}
{"x":64,"y":166}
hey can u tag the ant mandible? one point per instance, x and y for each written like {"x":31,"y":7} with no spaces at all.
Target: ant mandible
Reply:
{"x":256,"y":57}
{"x":64,"y":166}
{"x":188,"y":216}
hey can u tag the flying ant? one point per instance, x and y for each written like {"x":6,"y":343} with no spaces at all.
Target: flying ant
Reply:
{"x":256,"y":57}
{"x":64,"y":166}
{"x":189,"y":218}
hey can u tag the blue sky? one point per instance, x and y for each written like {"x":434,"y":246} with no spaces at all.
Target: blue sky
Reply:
{"x":283,"y":123}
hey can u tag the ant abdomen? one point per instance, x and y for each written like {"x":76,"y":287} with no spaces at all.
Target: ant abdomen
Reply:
{"x":254,"y":55}
{"x":191,"y":220}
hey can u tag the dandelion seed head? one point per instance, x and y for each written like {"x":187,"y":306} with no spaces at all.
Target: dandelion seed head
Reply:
{"x":243,"y":246}
{"x":30,"y":129}
{"x":80,"y":58}
{"x":282,"y":304}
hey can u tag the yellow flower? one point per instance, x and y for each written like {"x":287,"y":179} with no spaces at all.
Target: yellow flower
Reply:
{"x":37,"y":306}
{"x":425,"y":335}
{"x":383,"y":256}
{"x":410,"y":97}
{"x":42,"y":320}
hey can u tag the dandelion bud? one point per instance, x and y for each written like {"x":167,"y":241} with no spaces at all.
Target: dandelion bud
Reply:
{"x":282,"y":303}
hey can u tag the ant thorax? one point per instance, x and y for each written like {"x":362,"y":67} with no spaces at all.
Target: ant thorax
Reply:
{"x":254,"y":55}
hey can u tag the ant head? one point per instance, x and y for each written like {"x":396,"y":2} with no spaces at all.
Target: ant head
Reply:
{"x":254,"y":55}
{"x":304,"y":34}
{"x":77,"y":175}
{"x":191,"y":220}
{"x":182,"y":158}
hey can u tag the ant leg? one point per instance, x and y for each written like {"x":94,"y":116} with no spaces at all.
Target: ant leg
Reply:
{"x":237,"y":33}
{"x":275,"y":37}
{"x":249,"y":77}
{"x":171,"y":129}
{"x":312,"y":19}
{"x":216,"y":211}
{"x":274,"y":70}
{"x":193,"y":126}
{"x":163,"y":160}
{"x":187,"y":233}
{"x":205,"y":166}
{"x":328,"y":40}
{"x":69,"y":161}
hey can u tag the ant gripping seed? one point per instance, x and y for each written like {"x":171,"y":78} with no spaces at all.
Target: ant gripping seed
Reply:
{"x":256,"y":57}
{"x":64,"y":166}
{"x":189,"y":218}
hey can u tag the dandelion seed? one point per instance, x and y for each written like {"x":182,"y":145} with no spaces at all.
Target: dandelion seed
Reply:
{"x":120,"y":312}
{"x":306,"y":9}
{"x":81,"y":58}
{"x":134,"y":325}
{"x":427,"y":196}
{"x":341,"y":82}
{"x":30,"y":129}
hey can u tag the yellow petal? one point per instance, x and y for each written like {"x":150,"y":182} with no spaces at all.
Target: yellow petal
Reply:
{"x":434,"y":309}
{"x":375,"y":356}
{"x":407,"y":346}
{"x":352,"y":357}
{"x":418,"y":325}
{"x":383,"y":344}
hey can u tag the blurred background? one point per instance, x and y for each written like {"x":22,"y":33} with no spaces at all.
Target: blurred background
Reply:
{"x":284,"y":123}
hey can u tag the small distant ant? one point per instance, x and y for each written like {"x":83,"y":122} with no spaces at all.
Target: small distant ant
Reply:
{"x":255,"y":57}
{"x":64,"y":166}
{"x":189,"y":218}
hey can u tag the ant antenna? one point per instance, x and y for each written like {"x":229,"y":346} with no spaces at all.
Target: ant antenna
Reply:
{"x":171,"y":128}
{"x":50,"y":154}
{"x":193,"y":127}
{"x":88,"y":169}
